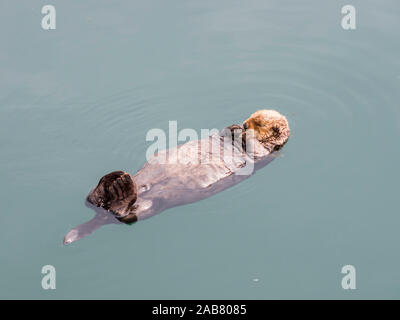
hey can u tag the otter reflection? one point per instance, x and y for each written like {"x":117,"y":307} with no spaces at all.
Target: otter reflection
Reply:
{"x":188,"y":173}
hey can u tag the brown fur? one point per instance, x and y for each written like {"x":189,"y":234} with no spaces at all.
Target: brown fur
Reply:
{"x":116,"y":192}
{"x":270,"y":128}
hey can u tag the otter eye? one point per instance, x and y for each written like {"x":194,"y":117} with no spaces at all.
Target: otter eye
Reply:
{"x":275,"y":129}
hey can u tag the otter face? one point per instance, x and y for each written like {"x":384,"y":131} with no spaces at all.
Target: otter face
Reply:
{"x":270,"y":128}
{"x":116,"y":192}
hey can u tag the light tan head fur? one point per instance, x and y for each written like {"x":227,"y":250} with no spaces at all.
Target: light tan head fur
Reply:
{"x":270,"y":128}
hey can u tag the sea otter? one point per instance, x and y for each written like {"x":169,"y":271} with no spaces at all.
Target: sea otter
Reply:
{"x":190,"y":172}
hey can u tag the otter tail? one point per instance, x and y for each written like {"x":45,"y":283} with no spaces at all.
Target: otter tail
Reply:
{"x":116,"y":192}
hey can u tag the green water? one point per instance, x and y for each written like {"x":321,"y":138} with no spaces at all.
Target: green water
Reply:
{"x":77,"y":102}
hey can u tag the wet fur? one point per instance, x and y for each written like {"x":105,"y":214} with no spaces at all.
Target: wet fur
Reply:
{"x":117,"y":191}
{"x":270,"y":128}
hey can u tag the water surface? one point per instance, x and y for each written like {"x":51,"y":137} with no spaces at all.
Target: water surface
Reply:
{"x":77,"y":102}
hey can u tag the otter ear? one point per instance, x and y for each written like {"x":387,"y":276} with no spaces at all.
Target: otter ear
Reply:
{"x":115,"y":192}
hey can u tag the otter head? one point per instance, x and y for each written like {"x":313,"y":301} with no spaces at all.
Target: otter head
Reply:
{"x":270,"y":128}
{"x":116,"y":192}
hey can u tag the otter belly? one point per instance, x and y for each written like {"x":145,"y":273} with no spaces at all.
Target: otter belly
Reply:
{"x":190,"y":172}
{"x":184,"y":174}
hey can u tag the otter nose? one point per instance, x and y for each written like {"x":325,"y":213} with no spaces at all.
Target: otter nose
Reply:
{"x":245,"y":126}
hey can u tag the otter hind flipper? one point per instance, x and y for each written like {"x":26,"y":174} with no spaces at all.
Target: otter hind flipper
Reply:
{"x":116,"y":192}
